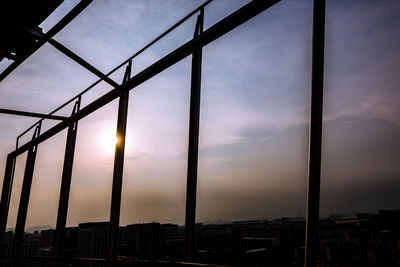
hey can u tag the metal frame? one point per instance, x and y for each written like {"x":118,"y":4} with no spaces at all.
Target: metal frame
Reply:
{"x":46,"y":37}
{"x":118,"y":168}
{"x":82,"y":62}
{"x":66,"y":184}
{"x":31,"y":114}
{"x":315,"y":133}
{"x":194,"y":118}
{"x":6,"y":194}
{"x":193,"y":47}
{"x":24,"y":199}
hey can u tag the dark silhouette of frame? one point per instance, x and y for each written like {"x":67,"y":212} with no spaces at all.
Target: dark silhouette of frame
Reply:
{"x":121,"y":91}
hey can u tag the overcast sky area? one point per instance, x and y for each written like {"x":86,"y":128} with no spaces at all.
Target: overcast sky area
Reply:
{"x":254,"y":113}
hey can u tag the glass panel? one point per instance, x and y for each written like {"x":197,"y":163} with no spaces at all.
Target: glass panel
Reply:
{"x":361,"y":148}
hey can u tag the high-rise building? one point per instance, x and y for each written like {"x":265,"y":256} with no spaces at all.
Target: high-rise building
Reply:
{"x":30,"y":248}
{"x":144,"y":240}
{"x":6,"y":245}
{"x":92,"y":240}
{"x":70,"y":243}
{"x":46,"y":238}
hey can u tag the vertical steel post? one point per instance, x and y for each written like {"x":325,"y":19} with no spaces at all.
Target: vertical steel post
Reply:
{"x":315,"y":136}
{"x":191,"y":187}
{"x":6,"y":194}
{"x":66,"y":183}
{"x":118,"y":169}
{"x":24,"y":199}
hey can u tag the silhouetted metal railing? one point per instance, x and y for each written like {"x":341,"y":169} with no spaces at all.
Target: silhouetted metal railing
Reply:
{"x":193,"y":47}
{"x":185,"y":18}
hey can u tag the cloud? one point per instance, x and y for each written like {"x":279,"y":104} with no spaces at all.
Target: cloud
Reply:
{"x":258,"y":134}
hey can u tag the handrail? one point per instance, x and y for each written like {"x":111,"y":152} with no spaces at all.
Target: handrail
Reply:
{"x":124,"y":62}
{"x":220,"y":28}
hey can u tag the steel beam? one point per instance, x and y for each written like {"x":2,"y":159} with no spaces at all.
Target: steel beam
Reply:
{"x":315,"y":136}
{"x":31,"y":114}
{"x":194,"y":119}
{"x":130,"y":58}
{"x":65,"y":184}
{"x":47,"y":36}
{"x":118,"y":170}
{"x":82,"y":62}
{"x":6,"y":194}
{"x":227,"y":24}
{"x":24,"y":200}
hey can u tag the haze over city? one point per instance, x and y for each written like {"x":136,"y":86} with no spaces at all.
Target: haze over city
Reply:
{"x":254,"y":113}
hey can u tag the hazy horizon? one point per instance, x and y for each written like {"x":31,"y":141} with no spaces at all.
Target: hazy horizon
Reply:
{"x":210,"y":222}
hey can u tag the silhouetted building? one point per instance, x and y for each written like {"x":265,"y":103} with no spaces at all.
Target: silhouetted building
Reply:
{"x":217,"y":237}
{"x":46,"y":238}
{"x":92,"y":240}
{"x":6,"y":245}
{"x":144,"y":240}
{"x":30,"y":248}
{"x":70,"y":241}
{"x":169,"y":231}
{"x":122,"y":235}
{"x":391,"y":220}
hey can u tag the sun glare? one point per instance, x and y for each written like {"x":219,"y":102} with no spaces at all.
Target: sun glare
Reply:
{"x":107,"y":141}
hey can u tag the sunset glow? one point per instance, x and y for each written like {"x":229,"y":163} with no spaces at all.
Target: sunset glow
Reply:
{"x":255,"y":109}
{"x":107,"y":141}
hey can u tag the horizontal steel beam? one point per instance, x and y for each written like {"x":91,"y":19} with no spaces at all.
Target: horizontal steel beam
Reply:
{"x":47,"y":36}
{"x":227,"y":24}
{"x":31,"y":114}
{"x":127,"y":60}
{"x":82,"y":62}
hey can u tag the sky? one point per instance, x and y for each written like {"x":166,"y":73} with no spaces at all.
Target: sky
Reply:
{"x":254,"y":113}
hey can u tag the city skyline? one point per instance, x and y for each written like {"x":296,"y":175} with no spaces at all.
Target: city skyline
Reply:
{"x":364,"y":239}
{"x":254,"y":114}
{"x":333,"y":216}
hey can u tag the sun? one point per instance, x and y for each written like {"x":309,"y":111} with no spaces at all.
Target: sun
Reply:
{"x":107,"y":141}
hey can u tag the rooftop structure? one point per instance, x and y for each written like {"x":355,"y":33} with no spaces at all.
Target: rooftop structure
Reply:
{"x":26,"y":41}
